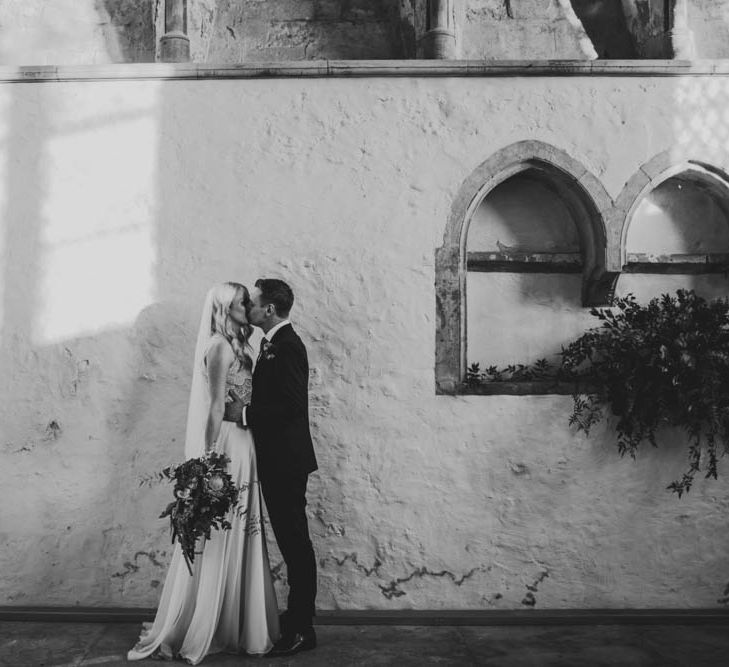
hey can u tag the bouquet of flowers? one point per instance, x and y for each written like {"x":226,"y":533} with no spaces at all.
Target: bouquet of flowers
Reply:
{"x":204,"y":494}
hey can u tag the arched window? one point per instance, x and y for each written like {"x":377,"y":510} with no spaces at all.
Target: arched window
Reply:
{"x":676,"y":232}
{"x":524,"y":249}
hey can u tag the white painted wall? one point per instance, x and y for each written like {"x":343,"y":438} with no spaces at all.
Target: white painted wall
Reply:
{"x":123,"y":201}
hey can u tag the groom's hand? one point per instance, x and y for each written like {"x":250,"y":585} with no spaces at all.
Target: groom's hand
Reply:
{"x":233,"y":409}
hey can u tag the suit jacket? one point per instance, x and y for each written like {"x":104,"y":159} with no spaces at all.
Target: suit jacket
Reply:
{"x":279,"y":410}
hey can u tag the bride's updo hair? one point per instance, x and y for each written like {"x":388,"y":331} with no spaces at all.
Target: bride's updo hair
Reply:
{"x":220,"y":322}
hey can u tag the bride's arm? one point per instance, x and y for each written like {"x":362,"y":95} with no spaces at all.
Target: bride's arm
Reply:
{"x":219,"y":360}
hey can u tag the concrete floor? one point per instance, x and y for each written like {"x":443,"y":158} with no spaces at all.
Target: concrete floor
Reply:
{"x":25,"y":644}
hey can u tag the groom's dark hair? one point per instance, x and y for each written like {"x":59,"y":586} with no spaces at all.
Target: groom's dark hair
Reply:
{"x":278,"y":293}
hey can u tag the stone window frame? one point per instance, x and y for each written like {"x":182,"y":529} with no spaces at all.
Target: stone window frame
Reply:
{"x":654,"y":172}
{"x":584,"y":195}
{"x":602,"y":225}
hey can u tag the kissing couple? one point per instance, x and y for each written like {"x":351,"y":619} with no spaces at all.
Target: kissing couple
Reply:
{"x":256,"y":413}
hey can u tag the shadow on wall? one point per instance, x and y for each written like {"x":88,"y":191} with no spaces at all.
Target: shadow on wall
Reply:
{"x":75,"y":337}
{"x":628,"y":29}
{"x":604,"y":21}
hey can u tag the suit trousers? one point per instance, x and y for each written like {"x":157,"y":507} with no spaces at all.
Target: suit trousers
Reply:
{"x":285,"y":498}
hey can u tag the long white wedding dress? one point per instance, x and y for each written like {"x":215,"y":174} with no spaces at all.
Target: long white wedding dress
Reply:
{"x":229,"y":603}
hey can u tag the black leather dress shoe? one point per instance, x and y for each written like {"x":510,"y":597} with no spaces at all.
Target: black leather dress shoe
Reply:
{"x":294,"y":643}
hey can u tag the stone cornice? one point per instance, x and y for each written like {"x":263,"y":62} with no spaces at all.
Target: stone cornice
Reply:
{"x":365,"y":68}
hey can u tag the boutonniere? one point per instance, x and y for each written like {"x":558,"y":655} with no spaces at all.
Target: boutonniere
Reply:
{"x":268,"y":350}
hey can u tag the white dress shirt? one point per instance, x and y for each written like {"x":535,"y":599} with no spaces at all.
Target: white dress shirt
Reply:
{"x":272,"y":331}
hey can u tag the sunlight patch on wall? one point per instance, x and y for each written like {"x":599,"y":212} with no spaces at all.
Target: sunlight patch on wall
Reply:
{"x":62,"y":32}
{"x":97,"y":231}
{"x":701,"y":123}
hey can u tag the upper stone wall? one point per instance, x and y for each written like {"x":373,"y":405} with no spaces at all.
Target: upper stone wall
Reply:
{"x":701,"y":29}
{"x":233,"y":31}
{"x":654,"y":29}
{"x":65,"y":32}
{"x":650,"y":27}
{"x":506,"y":30}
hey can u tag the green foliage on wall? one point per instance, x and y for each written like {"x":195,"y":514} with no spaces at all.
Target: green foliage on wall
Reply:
{"x":664,"y":364}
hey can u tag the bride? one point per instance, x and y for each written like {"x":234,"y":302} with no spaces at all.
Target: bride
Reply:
{"x":229,"y":603}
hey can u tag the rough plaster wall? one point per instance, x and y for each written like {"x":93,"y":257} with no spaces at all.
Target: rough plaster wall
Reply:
{"x":65,"y":32}
{"x":229,"y":31}
{"x":501,"y":29}
{"x":146,"y":192}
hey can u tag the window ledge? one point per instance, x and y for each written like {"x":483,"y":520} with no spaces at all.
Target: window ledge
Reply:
{"x":525,"y":388}
{"x":677,"y":263}
{"x":525,"y":262}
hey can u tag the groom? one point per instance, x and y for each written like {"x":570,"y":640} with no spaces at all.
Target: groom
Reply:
{"x":279,"y":417}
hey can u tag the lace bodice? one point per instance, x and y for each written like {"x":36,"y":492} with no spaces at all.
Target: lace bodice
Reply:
{"x":240,"y":381}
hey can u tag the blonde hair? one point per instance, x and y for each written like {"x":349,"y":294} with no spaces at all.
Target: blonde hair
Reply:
{"x":223,"y":296}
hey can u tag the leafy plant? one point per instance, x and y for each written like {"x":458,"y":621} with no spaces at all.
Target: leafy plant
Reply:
{"x":540,"y":370}
{"x":662,"y":364}
{"x":656,"y":365}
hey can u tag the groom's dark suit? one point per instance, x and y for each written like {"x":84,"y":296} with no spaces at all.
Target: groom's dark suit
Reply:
{"x":279,"y":417}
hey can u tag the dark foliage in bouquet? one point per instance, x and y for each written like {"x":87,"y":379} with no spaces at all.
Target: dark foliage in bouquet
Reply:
{"x":204,"y":494}
{"x":661,"y":364}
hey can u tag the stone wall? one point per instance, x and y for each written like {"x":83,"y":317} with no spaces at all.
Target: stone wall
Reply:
{"x":230,"y":31}
{"x":38,"y":32}
{"x":653,"y":29}
{"x":701,"y":29}
{"x":122,"y":201}
{"x":501,"y":30}
{"x":627,"y":29}
{"x":650,"y":28}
